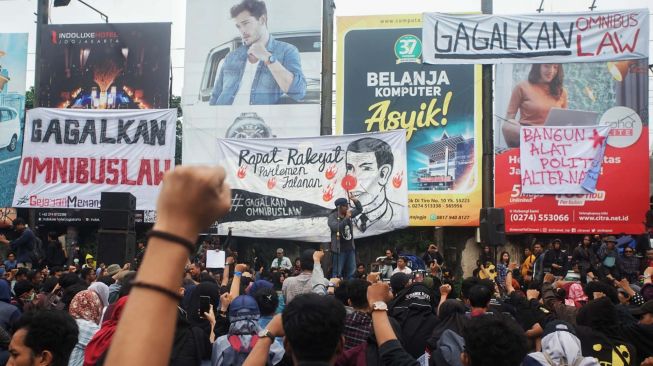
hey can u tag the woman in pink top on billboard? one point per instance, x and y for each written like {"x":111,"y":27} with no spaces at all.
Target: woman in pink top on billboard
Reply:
{"x":533,"y":98}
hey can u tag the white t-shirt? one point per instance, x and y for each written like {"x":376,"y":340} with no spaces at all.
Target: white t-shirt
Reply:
{"x":245,"y":89}
{"x":406,"y":270}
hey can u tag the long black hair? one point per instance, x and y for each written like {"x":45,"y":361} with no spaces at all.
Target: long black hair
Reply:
{"x":555,"y":86}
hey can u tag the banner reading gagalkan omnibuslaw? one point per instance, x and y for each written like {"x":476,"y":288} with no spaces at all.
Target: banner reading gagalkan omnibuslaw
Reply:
{"x":286,"y":188}
{"x":383,"y":85}
{"x":71,"y":156}
{"x":573,"y":97}
{"x":252,"y":70}
{"x":526,"y":38}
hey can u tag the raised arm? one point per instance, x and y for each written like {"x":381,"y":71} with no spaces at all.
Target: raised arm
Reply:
{"x":191,"y":199}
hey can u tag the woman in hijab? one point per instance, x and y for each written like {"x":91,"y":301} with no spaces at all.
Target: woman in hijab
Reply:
{"x":102,"y":291}
{"x":86,"y":309}
{"x":560,"y":346}
{"x":99,"y":345}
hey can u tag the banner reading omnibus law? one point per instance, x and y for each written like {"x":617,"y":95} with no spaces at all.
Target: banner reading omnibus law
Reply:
{"x":613,"y":94}
{"x":525,"y":38}
{"x":382,"y":85}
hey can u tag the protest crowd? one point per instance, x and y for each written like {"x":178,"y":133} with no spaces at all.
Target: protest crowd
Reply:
{"x":449,"y":189}
{"x":532,"y":311}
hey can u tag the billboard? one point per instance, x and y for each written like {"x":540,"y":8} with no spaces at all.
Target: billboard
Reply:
{"x":13,"y":67}
{"x":252,"y":70}
{"x":563,"y":37}
{"x":286,"y":187}
{"x":563,"y":96}
{"x":383,"y":85}
{"x":71,"y":156}
{"x":104,"y":66}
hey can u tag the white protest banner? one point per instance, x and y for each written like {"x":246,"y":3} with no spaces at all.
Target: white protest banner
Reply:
{"x":535,"y":38}
{"x":561,"y":160}
{"x":70,"y":156}
{"x":285,"y":188}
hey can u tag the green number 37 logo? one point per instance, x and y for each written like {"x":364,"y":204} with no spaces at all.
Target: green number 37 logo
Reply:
{"x":408,"y":48}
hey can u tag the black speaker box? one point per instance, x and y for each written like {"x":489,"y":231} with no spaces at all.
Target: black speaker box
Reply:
{"x":117,"y":220}
{"x":116,"y":246}
{"x":492,"y":226}
{"x":117,"y":201}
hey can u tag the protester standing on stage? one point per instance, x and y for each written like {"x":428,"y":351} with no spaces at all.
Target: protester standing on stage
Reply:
{"x":342,"y":237}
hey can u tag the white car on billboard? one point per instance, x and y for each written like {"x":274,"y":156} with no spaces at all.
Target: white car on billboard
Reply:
{"x":9,"y":128}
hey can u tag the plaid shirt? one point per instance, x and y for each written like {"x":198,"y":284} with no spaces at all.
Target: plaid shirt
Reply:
{"x":629,"y":264}
{"x":358,"y":326}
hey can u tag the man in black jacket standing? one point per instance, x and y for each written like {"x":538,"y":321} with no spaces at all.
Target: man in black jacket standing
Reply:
{"x":342,"y":237}
{"x":23,"y":246}
{"x":555,"y":260}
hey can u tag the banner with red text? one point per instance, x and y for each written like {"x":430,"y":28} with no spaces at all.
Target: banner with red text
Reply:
{"x":71,"y":156}
{"x":610,"y":94}
{"x":562,"y":37}
{"x":286,"y":187}
{"x":561,"y":160}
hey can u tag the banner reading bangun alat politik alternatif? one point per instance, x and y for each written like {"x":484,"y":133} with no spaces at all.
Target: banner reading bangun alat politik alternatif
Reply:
{"x":383,"y":85}
{"x":71,"y":156}
{"x":286,"y":188}
{"x":590,"y":96}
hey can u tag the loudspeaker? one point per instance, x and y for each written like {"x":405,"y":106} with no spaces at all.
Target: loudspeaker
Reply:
{"x":117,"y":201}
{"x":492,"y":226}
{"x":117,"y":220}
{"x":116,"y":246}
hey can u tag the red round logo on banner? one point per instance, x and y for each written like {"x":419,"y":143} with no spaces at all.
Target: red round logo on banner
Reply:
{"x":349,"y":182}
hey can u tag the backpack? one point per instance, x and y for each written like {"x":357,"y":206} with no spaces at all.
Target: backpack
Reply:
{"x":236,"y":354}
{"x":37,"y":252}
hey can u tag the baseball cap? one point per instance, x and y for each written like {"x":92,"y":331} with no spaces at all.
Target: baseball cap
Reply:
{"x":647,"y":308}
{"x":113,"y":269}
{"x":610,"y":238}
{"x":259,"y":285}
{"x":341,"y":202}
{"x":244,"y":307}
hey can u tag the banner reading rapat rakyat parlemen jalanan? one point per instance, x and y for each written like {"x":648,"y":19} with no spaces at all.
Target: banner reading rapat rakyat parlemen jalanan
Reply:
{"x":71,"y":156}
{"x":252,"y":70}
{"x":286,"y":187}
{"x":566,"y":103}
{"x":382,"y":85}
{"x":104,"y":66}
{"x":13,"y":67}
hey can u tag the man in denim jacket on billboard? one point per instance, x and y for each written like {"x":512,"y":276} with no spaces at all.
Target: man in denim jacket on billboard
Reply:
{"x":263,"y":69}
